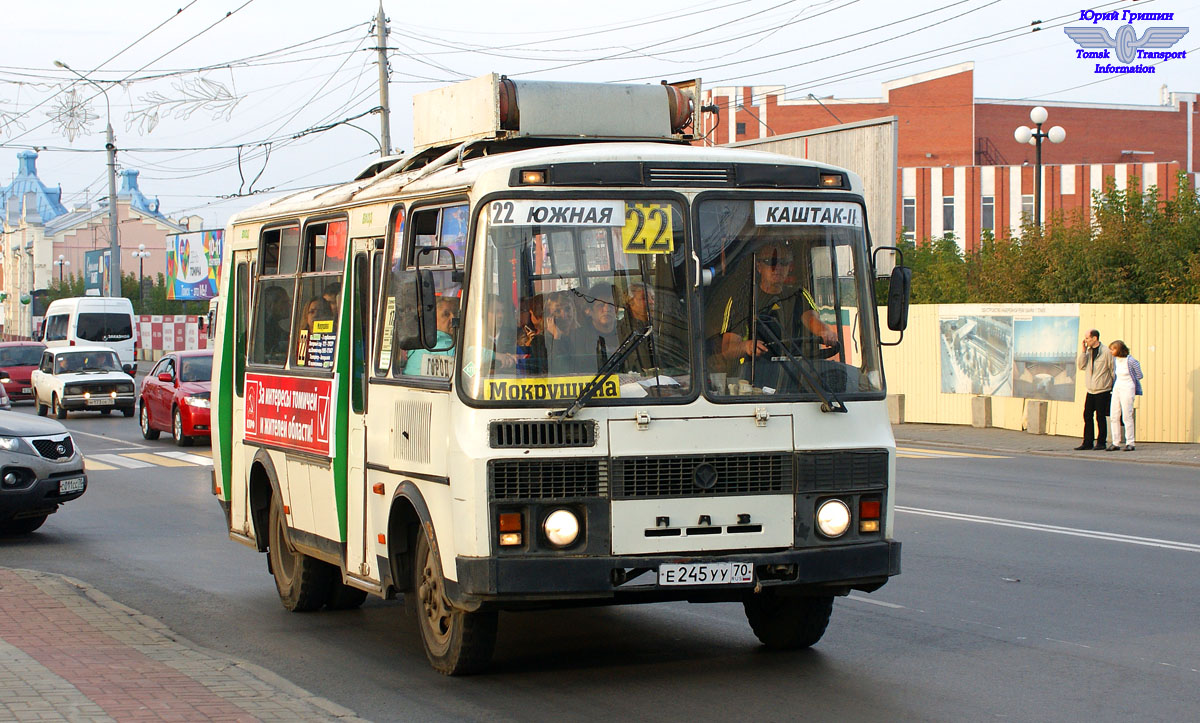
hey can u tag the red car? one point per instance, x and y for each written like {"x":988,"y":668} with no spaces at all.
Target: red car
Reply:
{"x":19,"y":359}
{"x":176,"y":397}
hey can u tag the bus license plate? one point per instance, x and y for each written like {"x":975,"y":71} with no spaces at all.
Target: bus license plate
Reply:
{"x":101,"y":402}
{"x":68,"y":486}
{"x":706,"y":573}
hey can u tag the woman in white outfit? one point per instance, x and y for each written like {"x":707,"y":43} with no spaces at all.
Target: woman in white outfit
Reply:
{"x":1128,"y":384}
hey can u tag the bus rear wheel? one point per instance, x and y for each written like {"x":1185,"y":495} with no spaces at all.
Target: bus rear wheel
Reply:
{"x":788,"y":623}
{"x":303,"y":582}
{"x":457,"y":641}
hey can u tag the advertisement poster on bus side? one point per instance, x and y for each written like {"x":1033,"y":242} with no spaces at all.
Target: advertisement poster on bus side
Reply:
{"x":289,"y":412}
{"x":194,"y":265}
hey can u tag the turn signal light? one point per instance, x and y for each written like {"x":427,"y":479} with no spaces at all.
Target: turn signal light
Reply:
{"x":868,"y":515}
{"x":510,"y":526}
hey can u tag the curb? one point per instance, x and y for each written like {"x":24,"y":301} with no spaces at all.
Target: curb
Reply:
{"x":1045,"y":453}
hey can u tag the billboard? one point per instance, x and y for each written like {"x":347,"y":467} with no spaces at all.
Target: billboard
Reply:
{"x":1009,"y":350}
{"x":95,"y":272}
{"x":193,"y":265}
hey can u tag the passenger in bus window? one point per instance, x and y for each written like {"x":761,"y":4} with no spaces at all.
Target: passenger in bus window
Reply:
{"x":559,"y":348}
{"x":277,"y":317}
{"x":447,"y":314}
{"x":529,"y":336}
{"x":333,"y":295}
{"x":499,"y":338}
{"x":600,"y":332}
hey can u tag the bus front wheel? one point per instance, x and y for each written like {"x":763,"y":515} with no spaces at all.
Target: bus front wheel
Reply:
{"x":788,"y":623}
{"x":303,"y":582}
{"x":457,"y":641}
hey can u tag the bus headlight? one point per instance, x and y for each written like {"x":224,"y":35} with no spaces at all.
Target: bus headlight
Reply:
{"x":833,"y":518}
{"x":561,"y":527}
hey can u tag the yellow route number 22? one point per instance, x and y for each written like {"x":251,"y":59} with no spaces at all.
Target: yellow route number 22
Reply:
{"x":647,"y":229}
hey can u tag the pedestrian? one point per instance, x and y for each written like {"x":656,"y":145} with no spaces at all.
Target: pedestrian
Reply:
{"x":1097,"y":363}
{"x":1127,"y":385}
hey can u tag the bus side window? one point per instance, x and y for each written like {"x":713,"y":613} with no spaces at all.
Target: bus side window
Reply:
{"x":444,"y":226}
{"x":240,"y":322}
{"x":272,"y":321}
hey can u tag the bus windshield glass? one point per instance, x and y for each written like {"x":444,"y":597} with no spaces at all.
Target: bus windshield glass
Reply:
{"x":565,"y":283}
{"x":787,"y":305}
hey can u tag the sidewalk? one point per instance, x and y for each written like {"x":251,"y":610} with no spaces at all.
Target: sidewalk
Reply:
{"x":1007,"y":440}
{"x":70,"y":653}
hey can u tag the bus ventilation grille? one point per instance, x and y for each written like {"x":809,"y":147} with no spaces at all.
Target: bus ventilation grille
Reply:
{"x":548,"y":479}
{"x":541,"y":434}
{"x":677,"y":476}
{"x":688,"y":176}
{"x":842,"y":469}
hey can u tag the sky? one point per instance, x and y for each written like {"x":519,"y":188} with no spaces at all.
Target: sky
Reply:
{"x":218,"y":102}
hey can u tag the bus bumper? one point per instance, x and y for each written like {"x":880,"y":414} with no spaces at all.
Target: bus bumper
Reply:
{"x":825,"y":570}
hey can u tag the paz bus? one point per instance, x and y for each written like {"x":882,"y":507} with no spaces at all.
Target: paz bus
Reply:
{"x":559,"y":355}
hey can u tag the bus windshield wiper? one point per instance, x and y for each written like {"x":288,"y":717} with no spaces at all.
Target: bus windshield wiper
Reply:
{"x":635,"y":338}
{"x":829,"y":400}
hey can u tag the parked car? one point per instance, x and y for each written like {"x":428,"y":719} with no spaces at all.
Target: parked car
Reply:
{"x":176,"y":397}
{"x":40,"y":469}
{"x":19,"y":359}
{"x":82,"y":377}
{"x":91,"y":320}
{"x":5,"y":402}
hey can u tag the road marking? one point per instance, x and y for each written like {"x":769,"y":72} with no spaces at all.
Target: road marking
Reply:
{"x":917,"y":453}
{"x":111,"y":439}
{"x":158,"y":459}
{"x":1055,"y":529}
{"x":119,"y":461}
{"x":193,"y":458}
{"x":880,"y":603}
{"x":93,"y":466}
{"x":203,"y":452}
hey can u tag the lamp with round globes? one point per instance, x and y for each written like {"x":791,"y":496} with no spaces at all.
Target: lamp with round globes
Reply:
{"x":1034,"y":136}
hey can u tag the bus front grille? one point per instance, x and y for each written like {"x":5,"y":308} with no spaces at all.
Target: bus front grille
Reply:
{"x":534,"y":479}
{"x":702,"y":475}
{"x":841,"y":469}
{"x":526,"y":434}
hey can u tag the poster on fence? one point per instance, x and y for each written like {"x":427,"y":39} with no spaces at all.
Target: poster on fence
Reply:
{"x":1009,"y":350}
{"x":193,"y":265}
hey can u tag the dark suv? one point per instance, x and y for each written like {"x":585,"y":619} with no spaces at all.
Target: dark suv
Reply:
{"x":40,"y":468}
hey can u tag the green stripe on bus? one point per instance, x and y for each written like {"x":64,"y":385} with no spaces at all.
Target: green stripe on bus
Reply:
{"x":342,"y":384}
{"x":224,"y":436}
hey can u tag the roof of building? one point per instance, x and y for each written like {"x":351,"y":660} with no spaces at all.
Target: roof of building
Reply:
{"x":49,"y":201}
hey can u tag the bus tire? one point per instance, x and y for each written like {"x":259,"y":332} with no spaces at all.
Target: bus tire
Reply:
{"x":457,"y":641}
{"x":302,"y":582}
{"x":788,"y":623}
{"x":343,"y":596}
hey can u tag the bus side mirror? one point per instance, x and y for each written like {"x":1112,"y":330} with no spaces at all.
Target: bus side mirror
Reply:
{"x":899,"y":290}
{"x":415,"y":324}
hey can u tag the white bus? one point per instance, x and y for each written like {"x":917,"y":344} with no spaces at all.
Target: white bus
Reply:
{"x":557,"y":356}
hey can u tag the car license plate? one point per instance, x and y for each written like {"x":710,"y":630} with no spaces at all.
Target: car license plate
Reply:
{"x":27,"y":390}
{"x":706,"y":573}
{"x":101,"y":402}
{"x":67,"y":486}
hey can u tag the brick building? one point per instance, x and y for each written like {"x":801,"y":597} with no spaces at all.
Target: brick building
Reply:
{"x":960,"y":169}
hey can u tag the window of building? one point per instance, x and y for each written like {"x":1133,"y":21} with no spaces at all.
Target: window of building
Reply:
{"x":741,"y":129}
{"x":1027,"y":205}
{"x":987,"y":214}
{"x":909,"y":218}
{"x":947,"y":214}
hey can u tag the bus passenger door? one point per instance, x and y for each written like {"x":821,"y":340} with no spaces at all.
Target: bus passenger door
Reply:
{"x":239,"y":306}
{"x":354,"y":398}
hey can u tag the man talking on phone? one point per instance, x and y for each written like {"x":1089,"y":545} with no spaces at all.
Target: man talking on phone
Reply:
{"x":1097,"y":364}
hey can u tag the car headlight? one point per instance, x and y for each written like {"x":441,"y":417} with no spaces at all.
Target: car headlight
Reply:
{"x":561,"y":527}
{"x":74,"y":389}
{"x":10,"y":444}
{"x":833,"y":518}
{"x":201,"y":402}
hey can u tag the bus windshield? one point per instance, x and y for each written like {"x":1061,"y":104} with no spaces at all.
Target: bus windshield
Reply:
{"x":566,"y":282}
{"x":787,"y":302}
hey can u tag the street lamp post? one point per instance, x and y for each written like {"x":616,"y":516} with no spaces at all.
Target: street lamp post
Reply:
{"x":141,"y":255}
{"x":1034,"y":136}
{"x":60,"y":262}
{"x":114,"y":245}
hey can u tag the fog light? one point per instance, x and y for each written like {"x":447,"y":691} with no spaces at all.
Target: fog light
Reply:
{"x":561,"y":527}
{"x":87,"y":395}
{"x":113,"y":395}
{"x":868,"y":526}
{"x":11,"y":479}
{"x":833,"y":518}
{"x":509,"y":539}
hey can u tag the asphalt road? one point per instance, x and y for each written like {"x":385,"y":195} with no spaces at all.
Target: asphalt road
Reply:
{"x":1033,"y":589}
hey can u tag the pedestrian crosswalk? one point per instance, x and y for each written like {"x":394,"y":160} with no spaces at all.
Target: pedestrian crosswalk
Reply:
{"x":145,"y":460}
{"x":918,"y":453}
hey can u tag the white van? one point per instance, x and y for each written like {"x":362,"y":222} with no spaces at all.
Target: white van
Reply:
{"x":104,"y":320}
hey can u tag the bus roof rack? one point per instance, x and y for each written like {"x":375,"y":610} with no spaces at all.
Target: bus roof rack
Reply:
{"x":497,"y":108}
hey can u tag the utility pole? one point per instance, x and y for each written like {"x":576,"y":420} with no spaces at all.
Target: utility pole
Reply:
{"x":385,"y":120}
